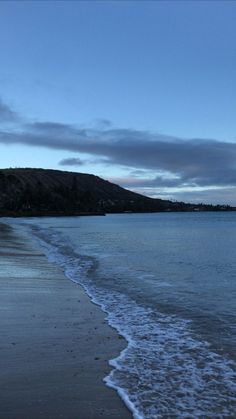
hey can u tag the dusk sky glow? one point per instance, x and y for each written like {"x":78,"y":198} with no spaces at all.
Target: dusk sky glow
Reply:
{"x":142,"y":93}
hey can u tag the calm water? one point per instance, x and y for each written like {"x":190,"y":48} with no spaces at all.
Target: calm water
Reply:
{"x":168,"y":284}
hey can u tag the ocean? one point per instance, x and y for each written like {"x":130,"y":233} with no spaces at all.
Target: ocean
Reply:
{"x":167,"y":283}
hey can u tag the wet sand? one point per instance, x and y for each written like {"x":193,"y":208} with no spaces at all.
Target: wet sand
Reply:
{"x":55,"y":344}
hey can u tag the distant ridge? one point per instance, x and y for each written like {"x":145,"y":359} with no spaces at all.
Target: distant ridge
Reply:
{"x":41,"y":192}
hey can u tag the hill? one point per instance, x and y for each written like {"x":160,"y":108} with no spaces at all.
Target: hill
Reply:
{"x":36,"y":192}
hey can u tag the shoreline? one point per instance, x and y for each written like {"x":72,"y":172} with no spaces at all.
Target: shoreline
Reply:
{"x":105,"y":213}
{"x":56,"y":343}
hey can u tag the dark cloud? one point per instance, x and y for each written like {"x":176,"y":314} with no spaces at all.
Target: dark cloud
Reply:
{"x":74,"y":161}
{"x":138,"y":182}
{"x":138,"y":172}
{"x":172,"y":161}
{"x":6,"y":113}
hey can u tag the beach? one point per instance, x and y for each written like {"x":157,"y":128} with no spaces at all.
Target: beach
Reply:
{"x":55,"y":343}
{"x":165,"y":286}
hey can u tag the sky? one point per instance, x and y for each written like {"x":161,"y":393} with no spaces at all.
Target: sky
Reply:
{"x":142,"y":93}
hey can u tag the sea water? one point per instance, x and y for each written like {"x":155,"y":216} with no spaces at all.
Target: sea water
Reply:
{"x":167,"y":282}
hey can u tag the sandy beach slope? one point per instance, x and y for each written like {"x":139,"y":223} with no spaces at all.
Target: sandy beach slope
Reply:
{"x":55,"y":343}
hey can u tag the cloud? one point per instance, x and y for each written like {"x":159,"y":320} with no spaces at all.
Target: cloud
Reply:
{"x":214,"y":195}
{"x":169,"y":161}
{"x":102,"y":123}
{"x":74,"y":161}
{"x":210,"y":196}
{"x":138,"y":182}
{"x":6,"y":113}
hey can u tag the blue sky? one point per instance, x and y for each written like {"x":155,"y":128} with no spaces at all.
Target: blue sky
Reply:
{"x":139,"y":92}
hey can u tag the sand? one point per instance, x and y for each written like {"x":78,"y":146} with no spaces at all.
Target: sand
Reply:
{"x":55,"y":344}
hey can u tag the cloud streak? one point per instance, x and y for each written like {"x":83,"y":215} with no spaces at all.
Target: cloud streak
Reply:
{"x":172,"y":161}
{"x":73,"y":161}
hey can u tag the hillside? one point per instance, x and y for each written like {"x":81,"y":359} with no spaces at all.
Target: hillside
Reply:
{"x":32,"y":192}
